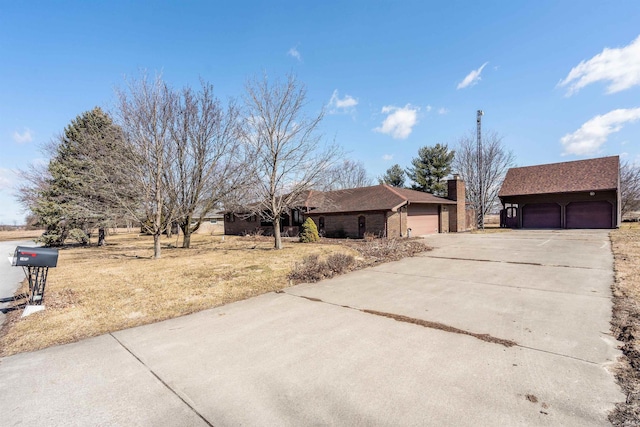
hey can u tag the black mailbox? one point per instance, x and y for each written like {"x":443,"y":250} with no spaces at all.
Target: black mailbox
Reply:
{"x":35,"y":257}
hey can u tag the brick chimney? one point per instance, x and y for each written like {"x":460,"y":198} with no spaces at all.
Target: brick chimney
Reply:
{"x":456,"y":192}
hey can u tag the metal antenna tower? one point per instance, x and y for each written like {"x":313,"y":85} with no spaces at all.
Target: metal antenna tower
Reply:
{"x":480,"y":174}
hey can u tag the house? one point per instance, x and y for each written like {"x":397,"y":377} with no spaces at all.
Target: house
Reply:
{"x":577,"y":194}
{"x":212,"y":223}
{"x":380,"y":210}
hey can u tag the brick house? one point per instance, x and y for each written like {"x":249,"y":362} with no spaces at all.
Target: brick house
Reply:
{"x":381,"y":210}
{"x":577,"y":194}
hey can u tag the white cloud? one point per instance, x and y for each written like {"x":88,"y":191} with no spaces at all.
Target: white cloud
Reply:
{"x":344,"y":105}
{"x":429,"y":108}
{"x":294,"y":52}
{"x":387,"y":157}
{"x":593,"y":134}
{"x":442,"y":110}
{"x":620,"y":67}
{"x":472,"y":78}
{"x":24,"y":137}
{"x":399,"y":122}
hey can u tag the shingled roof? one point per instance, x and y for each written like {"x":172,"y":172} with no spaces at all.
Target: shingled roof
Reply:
{"x":582,"y":175}
{"x":375,"y":198}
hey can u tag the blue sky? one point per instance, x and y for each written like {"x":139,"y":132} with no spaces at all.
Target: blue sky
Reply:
{"x":559,"y":80}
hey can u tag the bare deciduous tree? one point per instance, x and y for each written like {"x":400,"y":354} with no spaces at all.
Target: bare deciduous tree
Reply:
{"x":629,"y":187}
{"x":208,"y":163}
{"x":496,"y":160}
{"x":285,"y":145}
{"x":346,"y":174}
{"x":147,"y":112}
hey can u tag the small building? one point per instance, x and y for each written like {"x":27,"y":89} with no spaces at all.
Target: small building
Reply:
{"x":380,"y":210}
{"x":577,"y":194}
{"x":212,"y":223}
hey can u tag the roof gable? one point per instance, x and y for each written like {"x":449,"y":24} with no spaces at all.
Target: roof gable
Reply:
{"x":567,"y":177}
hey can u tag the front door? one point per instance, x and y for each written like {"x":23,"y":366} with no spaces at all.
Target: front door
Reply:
{"x":362,"y":226}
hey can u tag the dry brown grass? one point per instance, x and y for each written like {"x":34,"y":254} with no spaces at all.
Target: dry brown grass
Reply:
{"x":95,"y":290}
{"x":491,"y":228}
{"x":7,"y":235}
{"x":626,"y":319}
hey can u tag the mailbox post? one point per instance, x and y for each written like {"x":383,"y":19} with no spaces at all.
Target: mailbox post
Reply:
{"x":35,"y":262}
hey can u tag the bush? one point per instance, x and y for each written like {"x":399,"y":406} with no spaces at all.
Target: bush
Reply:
{"x":309,"y":232}
{"x":340,"y":263}
{"x":79,"y":236}
{"x":51,"y":238}
{"x":389,"y":249}
{"x":312,"y":269}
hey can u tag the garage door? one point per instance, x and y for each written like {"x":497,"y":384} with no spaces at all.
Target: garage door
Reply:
{"x":589,"y":214}
{"x":422,"y":219}
{"x":541,"y":215}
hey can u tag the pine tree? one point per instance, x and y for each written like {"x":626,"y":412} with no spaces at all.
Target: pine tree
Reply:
{"x":394,"y":176}
{"x":70,"y":198}
{"x":430,"y":168}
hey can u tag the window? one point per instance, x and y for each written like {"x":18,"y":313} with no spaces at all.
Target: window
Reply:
{"x":213,"y":221}
{"x":284,"y":220}
{"x":321,"y":223}
{"x":297,"y":217}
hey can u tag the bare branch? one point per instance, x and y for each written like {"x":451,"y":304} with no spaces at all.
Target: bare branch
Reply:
{"x":286,"y":146}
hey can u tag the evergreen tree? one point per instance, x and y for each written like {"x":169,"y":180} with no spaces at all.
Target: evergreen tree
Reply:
{"x":70,"y":198}
{"x":430,"y":168}
{"x":394,"y":176}
{"x":309,"y":232}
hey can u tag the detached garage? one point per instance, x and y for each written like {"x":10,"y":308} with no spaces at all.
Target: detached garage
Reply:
{"x":579,"y":194}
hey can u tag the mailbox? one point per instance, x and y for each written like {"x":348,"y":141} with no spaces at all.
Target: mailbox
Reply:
{"x":35,"y":257}
{"x":35,"y":262}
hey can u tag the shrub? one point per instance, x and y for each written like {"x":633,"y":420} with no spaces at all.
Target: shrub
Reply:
{"x":309,"y":232}
{"x":310,"y":270}
{"x":340,"y":263}
{"x":390,"y":249}
{"x":51,"y":238}
{"x":79,"y":236}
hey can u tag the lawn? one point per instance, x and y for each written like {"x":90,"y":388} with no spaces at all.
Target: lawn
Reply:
{"x":96,"y":290}
{"x":19,"y":235}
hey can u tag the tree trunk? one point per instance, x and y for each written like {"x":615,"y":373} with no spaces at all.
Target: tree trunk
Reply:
{"x":186,"y":239}
{"x":156,"y":245}
{"x":169,"y":230}
{"x":276,"y":233}
{"x":186,"y":234}
{"x":101,"y":236}
{"x":185,"y":226}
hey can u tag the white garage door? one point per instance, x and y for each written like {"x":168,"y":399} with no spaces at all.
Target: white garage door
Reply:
{"x":422,"y":219}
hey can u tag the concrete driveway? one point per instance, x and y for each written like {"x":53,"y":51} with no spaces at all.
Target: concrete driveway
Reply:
{"x":423,"y":341}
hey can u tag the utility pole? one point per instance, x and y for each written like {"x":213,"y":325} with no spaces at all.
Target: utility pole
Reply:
{"x":480,"y":178}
